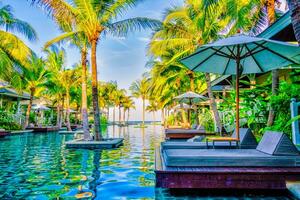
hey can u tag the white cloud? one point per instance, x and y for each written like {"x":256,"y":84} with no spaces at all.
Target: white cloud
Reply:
{"x":144,"y":39}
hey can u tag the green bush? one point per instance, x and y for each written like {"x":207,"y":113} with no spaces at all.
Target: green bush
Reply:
{"x":7,"y":123}
{"x":281,"y":105}
{"x":103,"y":120}
{"x":206,"y":120}
{"x":255,"y":104}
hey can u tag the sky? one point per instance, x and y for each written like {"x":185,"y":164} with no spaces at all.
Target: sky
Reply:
{"x":119,"y":59}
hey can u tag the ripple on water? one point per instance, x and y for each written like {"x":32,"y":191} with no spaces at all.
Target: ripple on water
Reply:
{"x":38,"y":166}
{"x":124,"y":189}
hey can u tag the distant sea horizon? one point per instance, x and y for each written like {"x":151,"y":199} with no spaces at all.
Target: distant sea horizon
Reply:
{"x":135,"y":122}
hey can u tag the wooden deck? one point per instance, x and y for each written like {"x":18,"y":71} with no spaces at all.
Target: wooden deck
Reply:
{"x":4,"y":133}
{"x":248,"y":178}
{"x":170,"y":136}
{"x":76,"y":126}
{"x":44,"y":129}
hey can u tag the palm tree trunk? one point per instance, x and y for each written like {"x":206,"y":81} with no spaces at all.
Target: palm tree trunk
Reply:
{"x":128,"y":113}
{"x":97,"y":124}
{"x":143,"y":112}
{"x":58,"y":115}
{"x":124,"y":116}
{"x":192,"y":79}
{"x":77,"y":115}
{"x":154,"y":116}
{"x":85,"y":120}
{"x":212,"y":102}
{"x":120,"y":120}
{"x":114,"y":115}
{"x":163,"y":116}
{"x":294,"y":6}
{"x":61,"y":114}
{"x":68,"y":111}
{"x":107,"y":113}
{"x":29,"y":108}
{"x":275,"y":85}
{"x":275,"y":73}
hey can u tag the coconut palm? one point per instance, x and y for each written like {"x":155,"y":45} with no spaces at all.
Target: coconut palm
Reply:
{"x":12,"y":49}
{"x":200,"y":22}
{"x":80,"y":41}
{"x":128,"y":104}
{"x":12,"y":24}
{"x":55,"y":64}
{"x":119,"y":99}
{"x":33,"y":79}
{"x":152,"y":107}
{"x":95,"y":19}
{"x":69,"y":78}
{"x":140,"y":89}
{"x":106,"y":94}
{"x":184,"y":29}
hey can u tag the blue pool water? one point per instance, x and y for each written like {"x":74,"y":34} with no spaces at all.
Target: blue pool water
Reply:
{"x":38,"y":166}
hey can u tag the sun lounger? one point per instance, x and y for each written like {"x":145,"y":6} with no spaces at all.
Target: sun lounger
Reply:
{"x":274,"y":150}
{"x":247,"y":141}
{"x":185,"y":133}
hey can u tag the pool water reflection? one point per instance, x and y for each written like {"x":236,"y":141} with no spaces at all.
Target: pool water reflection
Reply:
{"x":38,"y":166}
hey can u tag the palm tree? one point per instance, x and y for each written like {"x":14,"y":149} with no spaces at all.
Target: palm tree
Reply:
{"x":55,"y":65}
{"x":33,"y":78}
{"x":270,"y":4}
{"x":128,"y":104}
{"x":119,"y":99}
{"x":68,"y":79}
{"x":184,"y":30}
{"x":111,"y":87}
{"x":140,"y":89}
{"x":95,"y":19}
{"x":294,"y":6}
{"x":80,"y":41}
{"x":12,"y":24}
{"x":55,"y":93}
{"x":200,"y":22}
{"x":152,"y":107}
{"x":12,"y":49}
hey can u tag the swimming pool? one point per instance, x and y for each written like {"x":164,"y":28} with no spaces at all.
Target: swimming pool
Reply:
{"x":38,"y":166}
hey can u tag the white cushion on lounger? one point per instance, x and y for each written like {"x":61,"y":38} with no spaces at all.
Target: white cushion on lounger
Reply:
{"x":199,"y":127}
{"x":196,"y":139}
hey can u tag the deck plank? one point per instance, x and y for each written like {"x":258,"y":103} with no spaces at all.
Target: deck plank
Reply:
{"x":273,"y":178}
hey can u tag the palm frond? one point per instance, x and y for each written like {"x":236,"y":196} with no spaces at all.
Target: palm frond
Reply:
{"x":123,"y":27}
{"x":12,"y":24}
{"x":61,"y":38}
{"x":115,"y":8}
{"x":15,"y":48}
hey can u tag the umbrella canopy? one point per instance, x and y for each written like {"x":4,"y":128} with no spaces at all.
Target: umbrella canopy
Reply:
{"x":182,"y":106}
{"x":40,"y":107}
{"x":255,"y":55}
{"x":242,"y":54}
{"x":190,"y":97}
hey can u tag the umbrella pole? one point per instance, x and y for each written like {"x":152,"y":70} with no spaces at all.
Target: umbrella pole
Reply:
{"x":189,"y":111}
{"x":237,"y":129}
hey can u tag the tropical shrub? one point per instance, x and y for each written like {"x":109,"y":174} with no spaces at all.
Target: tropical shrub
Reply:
{"x":103,"y":120}
{"x":7,"y":122}
{"x":206,"y":120}
{"x":281,"y":104}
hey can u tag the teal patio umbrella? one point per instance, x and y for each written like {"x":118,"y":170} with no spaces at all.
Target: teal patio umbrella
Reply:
{"x":242,"y":54}
{"x":190,"y":98}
